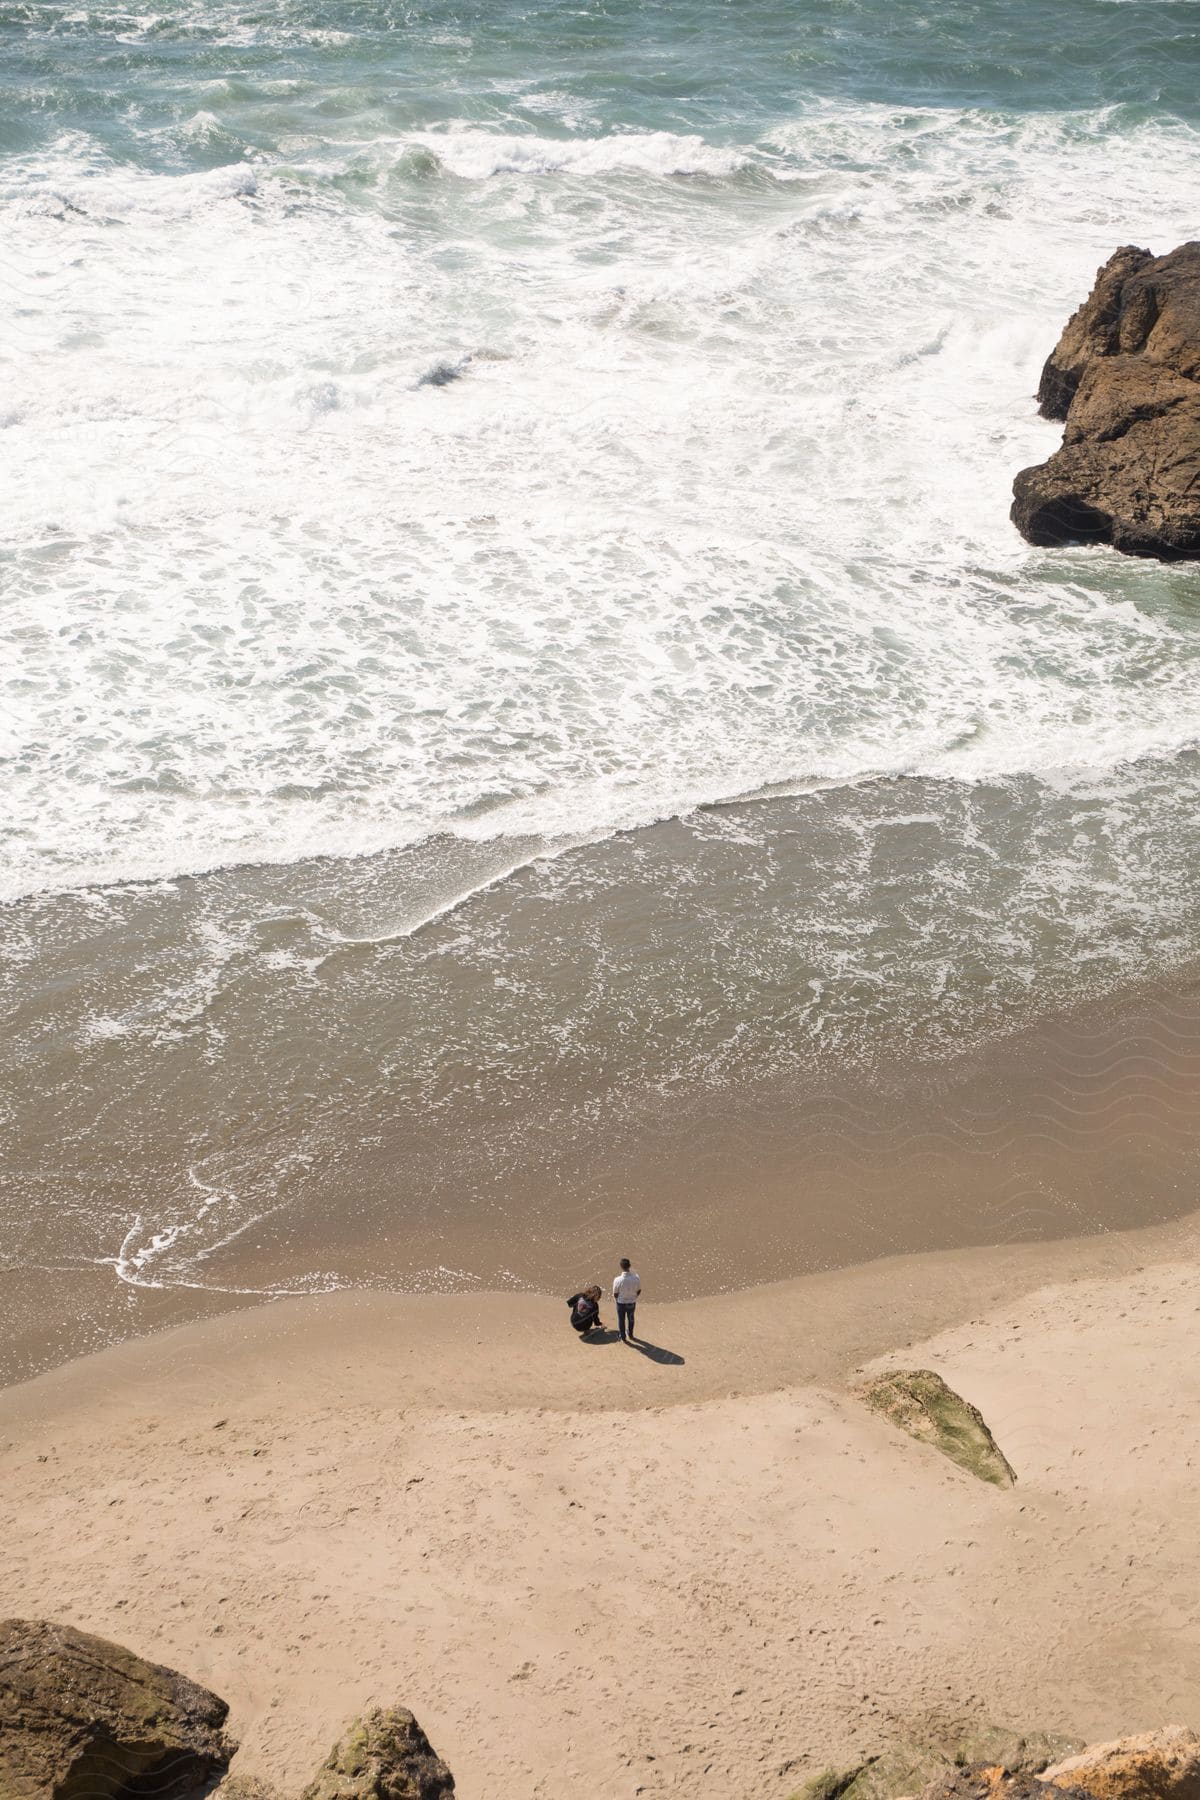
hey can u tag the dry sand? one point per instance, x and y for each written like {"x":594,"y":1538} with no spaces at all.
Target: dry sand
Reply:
{"x":703,"y":1571}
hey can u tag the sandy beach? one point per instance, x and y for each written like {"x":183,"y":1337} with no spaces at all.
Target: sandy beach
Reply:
{"x":568,"y":691}
{"x":701,"y":1567}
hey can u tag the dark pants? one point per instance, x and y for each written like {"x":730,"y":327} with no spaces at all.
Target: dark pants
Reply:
{"x":625,"y":1318}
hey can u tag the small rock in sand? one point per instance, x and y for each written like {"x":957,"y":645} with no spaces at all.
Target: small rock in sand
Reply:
{"x":383,"y":1756}
{"x":919,"y":1402}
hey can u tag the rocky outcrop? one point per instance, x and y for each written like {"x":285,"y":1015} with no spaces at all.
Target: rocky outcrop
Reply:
{"x":383,"y":1756}
{"x":1158,"y":1765}
{"x":1125,"y":377}
{"x":934,"y":1755}
{"x":991,"y":1781}
{"x":919,"y":1402}
{"x":933,"y":1750}
{"x":988,"y":1763}
{"x":83,"y":1719}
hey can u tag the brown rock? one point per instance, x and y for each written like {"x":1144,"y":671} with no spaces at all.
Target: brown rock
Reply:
{"x":1125,"y":376}
{"x":1158,"y":1765}
{"x":1091,"y":331}
{"x":1161,"y":1765}
{"x":989,"y":1781}
{"x":83,"y":1719}
{"x":383,"y":1756}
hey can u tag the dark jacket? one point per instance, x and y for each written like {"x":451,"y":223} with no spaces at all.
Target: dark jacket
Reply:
{"x":585,"y":1312}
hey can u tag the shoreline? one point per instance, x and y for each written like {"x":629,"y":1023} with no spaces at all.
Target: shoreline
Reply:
{"x":1085,"y":1118}
{"x":802,"y":1329}
{"x":708,"y":1575}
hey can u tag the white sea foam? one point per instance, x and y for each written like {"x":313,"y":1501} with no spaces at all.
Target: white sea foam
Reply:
{"x":477,"y":155}
{"x":716,"y":503}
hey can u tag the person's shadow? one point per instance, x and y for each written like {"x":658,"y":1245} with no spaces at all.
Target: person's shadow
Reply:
{"x":654,"y":1351}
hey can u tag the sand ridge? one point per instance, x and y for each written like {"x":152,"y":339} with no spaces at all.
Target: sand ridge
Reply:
{"x":705,"y":1592}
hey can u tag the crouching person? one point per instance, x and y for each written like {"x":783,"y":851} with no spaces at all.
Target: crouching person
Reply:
{"x":585,"y":1311}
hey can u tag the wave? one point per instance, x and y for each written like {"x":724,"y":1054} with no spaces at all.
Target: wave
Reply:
{"x":78,"y":183}
{"x":526,"y":832}
{"x":477,"y":155}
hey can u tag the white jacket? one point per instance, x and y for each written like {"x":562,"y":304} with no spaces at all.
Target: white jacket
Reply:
{"x":627,"y":1286}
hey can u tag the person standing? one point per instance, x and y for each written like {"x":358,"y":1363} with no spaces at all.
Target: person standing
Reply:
{"x":627,"y":1285}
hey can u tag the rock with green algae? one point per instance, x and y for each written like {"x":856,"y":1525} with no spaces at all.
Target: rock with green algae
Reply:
{"x":919,"y":1402}
{"x":1158,"y":1765}
{"x":83,"y":1719}
{"x":934,"y":1751}
{"x":383,"y":1756}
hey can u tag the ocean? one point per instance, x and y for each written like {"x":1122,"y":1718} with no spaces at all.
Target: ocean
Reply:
{"x":516,"y":679}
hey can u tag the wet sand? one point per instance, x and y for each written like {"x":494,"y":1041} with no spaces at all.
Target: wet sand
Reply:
{"x":1089,"y":1123}
{"x":768,"y":1039}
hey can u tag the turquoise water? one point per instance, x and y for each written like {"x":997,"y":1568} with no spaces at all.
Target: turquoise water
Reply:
{"x":452,"y":458}
{"x":726,"y":71}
